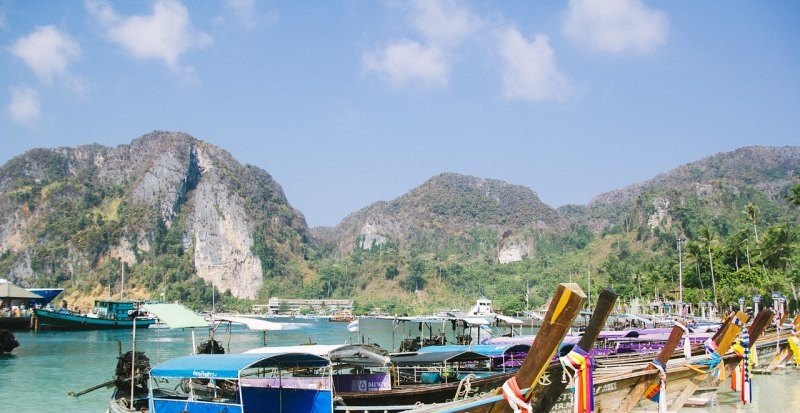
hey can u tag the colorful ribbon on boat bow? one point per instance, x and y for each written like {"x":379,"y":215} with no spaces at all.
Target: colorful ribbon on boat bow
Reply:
{"x":714,"y":364}
{"x":513,"y":395}
{"x":687,"y":344}
{"x":794,"y":346}
{"x":742,"y":381}
{"x":580,"y":362}
{"x":657,"y":392}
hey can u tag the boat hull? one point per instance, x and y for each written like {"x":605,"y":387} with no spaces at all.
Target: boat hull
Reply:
{"x":63,"y":321}
{"x":409,"y":395}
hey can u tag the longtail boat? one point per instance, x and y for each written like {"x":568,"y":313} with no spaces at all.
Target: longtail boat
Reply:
{"x":563,"y":309}
{"x":778,"y":347}
{"x":643,"y":383}
{"x":619,"y":387}
{"x":545,"y":396}
{"x":733,"y":361}
{"x":544,"y":392}
{"x":687,"y":377}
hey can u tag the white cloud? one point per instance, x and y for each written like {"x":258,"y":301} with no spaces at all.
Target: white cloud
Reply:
{"x":443,"y":22}
{"x":47,"y":51}
{"x":244,"y":10}
{"x":615,"y":26}
{"x":407,"y":61}
{"x":24,"y":107}
{"x":164,"y":35}
{"x":529,"y":68}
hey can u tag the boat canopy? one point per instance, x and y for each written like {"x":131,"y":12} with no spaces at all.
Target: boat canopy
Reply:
{"x":9,"y":290}
{"x":637,"y":318}
{"x":437,"y":357}
{"x":508,"y":320}
{"x":228,"y":366}
{"x":484,"y":349}
{"x":353,"y":354}
{"x":175,"y":315}
{"x":251,"y":323}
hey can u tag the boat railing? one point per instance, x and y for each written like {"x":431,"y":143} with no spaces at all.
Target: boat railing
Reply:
{"x":439,"y":374}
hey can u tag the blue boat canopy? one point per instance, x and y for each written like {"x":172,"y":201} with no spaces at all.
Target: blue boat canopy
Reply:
{"x":228,"y":366}
{"x":483,"y":349}
{"x":438,"y":357}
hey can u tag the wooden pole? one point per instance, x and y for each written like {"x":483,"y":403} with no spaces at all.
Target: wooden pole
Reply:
{"x":543,"y":398}
{"x":564,"y":307}
{"x":638,"y":390}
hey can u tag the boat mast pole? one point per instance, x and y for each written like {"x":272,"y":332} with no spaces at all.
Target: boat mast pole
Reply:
{"x":122,"y":284}
{"x":133,"y":359}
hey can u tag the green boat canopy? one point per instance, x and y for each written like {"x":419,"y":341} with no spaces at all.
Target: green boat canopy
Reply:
{"x":175,"y":315}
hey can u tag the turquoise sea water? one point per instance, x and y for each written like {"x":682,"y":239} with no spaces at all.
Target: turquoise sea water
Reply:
{"x":49,"y":364}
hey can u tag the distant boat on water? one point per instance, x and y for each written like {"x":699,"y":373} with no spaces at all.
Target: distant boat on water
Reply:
{"x":107,"y":315}
{"x":47,"y":294}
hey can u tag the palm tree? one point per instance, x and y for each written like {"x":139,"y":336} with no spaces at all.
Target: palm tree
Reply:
{"x":695,"y":251}
{"x":707,"y":239}
{"x":735,"y":243}
{"x":778,"y":245}
{"x":794,"y":194}
{"x":751,"y":210}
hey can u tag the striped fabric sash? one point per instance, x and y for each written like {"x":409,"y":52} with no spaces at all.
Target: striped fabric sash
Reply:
{"x":579,"y":361}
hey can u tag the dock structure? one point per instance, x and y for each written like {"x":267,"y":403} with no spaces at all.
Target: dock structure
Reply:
{"x":277,"y":305}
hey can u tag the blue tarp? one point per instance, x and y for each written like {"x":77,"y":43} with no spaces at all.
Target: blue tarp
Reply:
{"x":228,"y":366}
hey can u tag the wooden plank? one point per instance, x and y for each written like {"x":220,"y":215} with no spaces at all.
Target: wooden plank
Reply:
{"x":759,"y":325}
{"x":726,"y":340}
{"x":543,"y":398}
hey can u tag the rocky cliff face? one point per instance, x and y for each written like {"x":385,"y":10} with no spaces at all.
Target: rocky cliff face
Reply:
{"x":159,"y":181}
{"x":450,"y":206}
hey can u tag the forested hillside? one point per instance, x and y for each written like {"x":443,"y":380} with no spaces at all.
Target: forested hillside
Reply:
{"x":181,"y":217}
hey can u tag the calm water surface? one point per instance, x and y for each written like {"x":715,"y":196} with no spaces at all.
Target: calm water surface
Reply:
{"x":49,"y":364}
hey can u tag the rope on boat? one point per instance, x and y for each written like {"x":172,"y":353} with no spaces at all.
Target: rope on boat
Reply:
{"x":580,"y":362}
{"x":513,"y":395}
{"x":466,"y":385}
{"x":687,"y":344}
{"x":657,"y":392}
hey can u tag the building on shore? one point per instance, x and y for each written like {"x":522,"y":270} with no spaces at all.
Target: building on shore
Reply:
{"x":296,"y":305}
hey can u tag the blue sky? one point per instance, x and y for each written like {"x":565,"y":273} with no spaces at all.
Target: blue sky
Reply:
{"x":350,"y":102}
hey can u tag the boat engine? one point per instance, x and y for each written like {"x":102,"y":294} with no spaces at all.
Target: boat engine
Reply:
{"x":7,"y":342}
{"x":210,"y":346}
{"x":124,"y":369}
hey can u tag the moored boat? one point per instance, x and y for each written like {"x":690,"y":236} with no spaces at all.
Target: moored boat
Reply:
{"x":519,"y":388}
{"x":292,"y":382}
{"x":106,"y":315}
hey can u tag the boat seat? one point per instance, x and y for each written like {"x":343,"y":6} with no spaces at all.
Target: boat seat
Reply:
{"x":431,"y":377}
